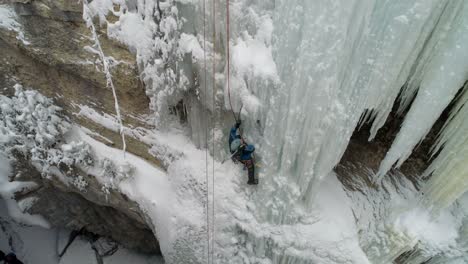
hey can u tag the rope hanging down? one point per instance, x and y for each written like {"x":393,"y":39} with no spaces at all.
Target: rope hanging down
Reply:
{"x":213,"y":135}
{"x":208,"y":244}
{"x":210,"y":229}
{"x":228,"y":59}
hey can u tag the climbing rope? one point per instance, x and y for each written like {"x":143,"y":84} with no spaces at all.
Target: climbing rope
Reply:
{"x":228,"y":61}
{"x":213,"y":135}
{"x":206,"y":136}
{"x":211,"y":227}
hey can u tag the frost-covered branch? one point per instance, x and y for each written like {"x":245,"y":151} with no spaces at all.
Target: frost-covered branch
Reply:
{"x":97,"y":44}
{"x":30,"y":125}
{"x":161,"y":71}
{"x":156,"y":44}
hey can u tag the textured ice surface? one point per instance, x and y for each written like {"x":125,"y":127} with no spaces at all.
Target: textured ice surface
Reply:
{"x":393,"y":219}
{"x":450,"y":168}
{"x":444,"y":74}
{"x":305,"y":73}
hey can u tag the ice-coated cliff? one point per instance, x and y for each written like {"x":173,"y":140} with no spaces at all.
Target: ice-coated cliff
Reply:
{"x":358,"y":111}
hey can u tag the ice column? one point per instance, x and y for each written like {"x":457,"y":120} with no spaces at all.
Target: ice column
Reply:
{"x":445,"y":73}
{"x":335,"y":60}
{"x":450,"y":168}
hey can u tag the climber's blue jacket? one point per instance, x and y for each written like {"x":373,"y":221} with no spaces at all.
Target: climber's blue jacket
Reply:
{"x":235,"y":143}
{"x":233,"y":135}
{"x":247,"y":152}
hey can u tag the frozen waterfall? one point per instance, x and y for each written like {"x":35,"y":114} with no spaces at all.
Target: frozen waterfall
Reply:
{"x":307,"y":74}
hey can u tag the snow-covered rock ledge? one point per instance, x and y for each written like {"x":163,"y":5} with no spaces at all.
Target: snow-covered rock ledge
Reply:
{"x":50,"y":49}
{"x":58,"y":172}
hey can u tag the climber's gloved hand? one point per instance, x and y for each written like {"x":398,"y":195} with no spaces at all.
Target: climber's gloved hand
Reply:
{"x":238,"y":123}
{"x":242,"y":147}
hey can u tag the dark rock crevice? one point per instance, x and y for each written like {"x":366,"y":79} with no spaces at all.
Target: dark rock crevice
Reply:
{"x":362,"y":154}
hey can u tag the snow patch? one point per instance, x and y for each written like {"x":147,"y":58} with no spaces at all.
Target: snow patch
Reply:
{"x":439,"y":232}
{"x":253,"y":55}
{"x":8,"y":20}
{"x":7,"y":192}
{"x":190,"y":44}
{"x":105,"y":120}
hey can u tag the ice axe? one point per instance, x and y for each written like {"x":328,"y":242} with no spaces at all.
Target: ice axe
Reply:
{"x":230,"y":157}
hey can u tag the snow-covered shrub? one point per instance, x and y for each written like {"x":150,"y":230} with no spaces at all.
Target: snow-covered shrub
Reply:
{"x":163,"y":72}
{"x":30,"y":121}
{"x":80,"y":183}
{"x":31,"y":125}
{"x":156,"y":45}
{"x":167,"y":78}
{"x":116,"y":173}
{"x":124,"y":172}
{"x":106,"y":190}
{"x":76,"y":152}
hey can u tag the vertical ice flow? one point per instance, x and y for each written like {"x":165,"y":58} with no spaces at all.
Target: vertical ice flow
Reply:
{"x":450,"y":168}
{"x":338,"y":63}
{"x":444,"y":75}
{"x":336,"y":60}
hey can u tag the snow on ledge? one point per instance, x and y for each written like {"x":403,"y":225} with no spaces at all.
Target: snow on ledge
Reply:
{"x":7,"y":190}
{"x":8,"y":20}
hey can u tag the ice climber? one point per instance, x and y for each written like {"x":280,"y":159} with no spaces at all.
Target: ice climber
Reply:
{"x":242,"y":152}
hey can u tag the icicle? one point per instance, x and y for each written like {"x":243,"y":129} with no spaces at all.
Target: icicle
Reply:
{"x":109,"y":83}
{"x":450,"y":168}
{"x":439,"y":28}
{"x":330,"y":77}
{"x":443,"y":77}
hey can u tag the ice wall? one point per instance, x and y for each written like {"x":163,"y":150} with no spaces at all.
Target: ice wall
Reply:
{"x":306,"y":74}
{"x":458,"y":254}
{"x":444,"y":73}
{"x":341,"y":62}
{"x":450,"y":168}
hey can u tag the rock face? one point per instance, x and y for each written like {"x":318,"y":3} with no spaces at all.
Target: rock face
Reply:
{"x":113,"y":216}
{"x":49,"y":53}
{"x":53,"y":59}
